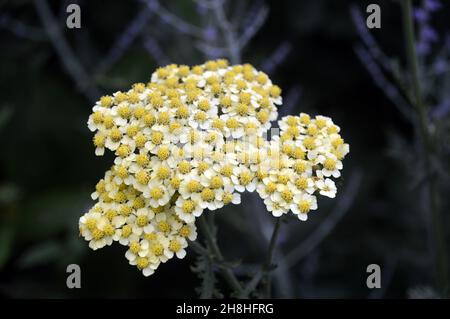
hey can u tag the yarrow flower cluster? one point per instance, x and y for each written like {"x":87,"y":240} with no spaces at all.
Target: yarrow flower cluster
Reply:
{"x":193,"y":139}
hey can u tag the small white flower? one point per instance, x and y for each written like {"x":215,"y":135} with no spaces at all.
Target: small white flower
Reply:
{"x":303,"y":204}
{"x":327,"y":187}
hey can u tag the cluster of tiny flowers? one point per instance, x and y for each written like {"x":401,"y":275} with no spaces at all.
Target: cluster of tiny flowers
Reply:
{"x":194,"y":138}
{"x":181,"y":146}
{"x":301,"y":162}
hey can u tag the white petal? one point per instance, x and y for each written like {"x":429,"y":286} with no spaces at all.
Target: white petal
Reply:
{"x":181,"y":253}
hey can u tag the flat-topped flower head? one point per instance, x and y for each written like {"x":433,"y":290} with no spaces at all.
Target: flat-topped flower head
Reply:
{"x":190,"y":141}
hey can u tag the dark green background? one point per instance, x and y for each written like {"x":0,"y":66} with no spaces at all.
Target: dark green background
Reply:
{"x":48,"y":167}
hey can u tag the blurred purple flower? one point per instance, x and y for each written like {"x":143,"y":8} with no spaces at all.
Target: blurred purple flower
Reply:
{"x":423,"y":48}
{"x":432,"y":5}
{"x":441,"y":110}
{"x":428,"y":34}
{"x":440,"y":66}
{"x":210,"y":33}
{"x":201,"y":9}
{"x":421,"y":15}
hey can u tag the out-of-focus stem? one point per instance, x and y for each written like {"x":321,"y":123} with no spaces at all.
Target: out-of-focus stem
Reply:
{"x":68,"y":58}
{"x":232,"y":42}
{"x":227,"y":274}
{"x":440,"y":252}
{"x":267,"y":266}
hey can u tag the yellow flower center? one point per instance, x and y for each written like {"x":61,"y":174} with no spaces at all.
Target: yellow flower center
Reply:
{"x":304,"y":206}
{"x":262,"y":116}
{"x":312,"y":129}
{"x":126,"y":231}
{"x":110,"y":214}
{"x":242,"y":109}
{"x":287,"y":195}
{"x":174,"y":245}
{"x":157,"y":249}
{"x":142,"y":262}
{"x":99,"y":140}
{"x":164,"y":226}
{"x":175,"y":182}
{"x":227,"y":170}
{"x":283,"y":179}
{"x":216,"y":182}
{"x":149,"y":119}
{"x":156,"y":193}
{"x":207,"y":194}
{"x":275,"y":91}
{"x":150,"y":236}
{"x":309,"y":142}
{"x":91,"y":223}
{"x":227,"y":198}
{"x":188,"y":206}
{"x":271,"y":187}
{"x":109,"y":230}
{"x":115,"y":134}
{"x":204,"y":105}
{"x":164,"y":118}
{"x":299,"y":166}
{"x":163,"y":153}
{"x":245,"y":178}
{"x":337,"y":142}
{"x":97,"y":234}
{"x":125,"y":210}
{"x":123,"y":151}
{"x":142,"y":159}
{"x":138,"y":203}
{"x":142,"y":177}
{"x":184,"y":231}
{"x":301,"y":182}
{"x":97,"y":117}
{"x":232,"y":123}
{"x":305,"y":119}
{"x":124,"y":111}
{"x":141,"y":220}
{"x":329,"y":164}
{"x":225,"y":101}
{"x":183,"y":111}
{"x":140,"y":140}
{"x":184,"y":167}
{"x":321,"y":123}
{"x":157,"y":137}
{"x":244,"y":97}
{"x":106,"y":101}
{"x":135,"y":247}
{"x":193,"y":186}
{"x":200,"y":116}
{"x":202,"y":167}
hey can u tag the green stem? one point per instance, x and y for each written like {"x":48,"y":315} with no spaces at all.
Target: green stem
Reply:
{"x":438,"y":233}
{"x":227,"y":274}
{"x":267,"y":267}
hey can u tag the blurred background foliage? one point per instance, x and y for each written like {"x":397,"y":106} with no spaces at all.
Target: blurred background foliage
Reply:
{"x":48,"y":167}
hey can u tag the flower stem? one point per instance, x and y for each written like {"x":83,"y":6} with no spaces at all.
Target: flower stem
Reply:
{"x":232,"y":43}
{"x":267,"y":267}
{"x":440,"y":253}
{"x":227,"y":274}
